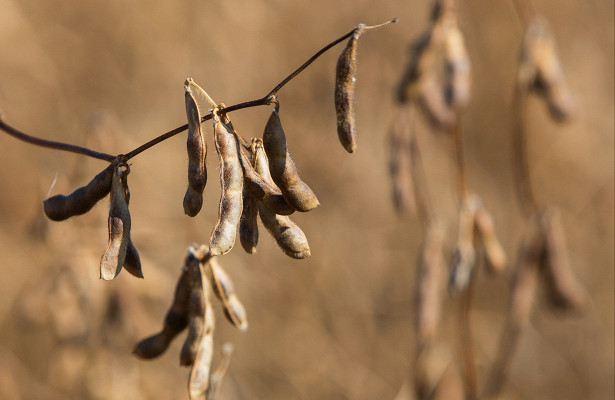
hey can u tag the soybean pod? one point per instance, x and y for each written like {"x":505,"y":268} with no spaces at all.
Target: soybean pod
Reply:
{"x":231,"y":181}
{"x":119,"y":225}
{"x":80,"y":201}
{"x":283,"y":170}
{"x":197,"y":152}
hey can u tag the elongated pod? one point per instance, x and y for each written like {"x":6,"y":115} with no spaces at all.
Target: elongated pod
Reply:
{"x":458,"y":67}
{"x":564,"y":291}
{"x":539,"y":54}
{"x":286,"y":233}
{"x":175,"y":321}
{"x":132,"y":262}
{"x":464,"y":257}
{"x":119,"y":225}
{"x":197,"y":152}
{"x":196,"y":309}
{"x":225,"y":291}
{"x":231,"y":181}
{"x":345,"y":78}
{"x":430,"y":271}
{"x":494,"y":253}
{"x":248,"y":227}
{"x":198,"y":383}
{"x":262,"y":191}
{"x":61,"y":207}
{"x":283,"y":170}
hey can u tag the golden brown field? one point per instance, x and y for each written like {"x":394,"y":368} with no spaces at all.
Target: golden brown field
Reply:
{"x":338,"y":325}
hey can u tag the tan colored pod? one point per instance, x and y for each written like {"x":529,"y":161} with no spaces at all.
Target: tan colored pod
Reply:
{"x":198,"y":383}
{"x":283,"y":170}
{"x":494,"y":253}
{"x":225,"y":291}
{"x":119,"y":225}
{"x":215,"y":379}
{"x":431,"y":98}
{"x":262,"y":191}
{"x":400,"y":165}
{"x":565,"y":292}
{"x":197,"y":304}
{"x":231,"y":180}
{"x":463,"y":261}
{"x":80,"y":201}
{"x":248,"y":225}
{"x":197,"y":152}
{"x":175,"y":321}
{"x":429,"y":282}
{"x":345,"y":78}
{"x":458,"y":67}
{"x":531,"y":253}
{"x":286,"y":233}
{"x":541,"y":70}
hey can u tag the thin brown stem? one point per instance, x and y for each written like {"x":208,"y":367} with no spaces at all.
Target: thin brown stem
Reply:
{"x":50,"y":144}
{"x":525,"y":11}
{"x":253,"y":103}
{"x":521,"y":165}
{"x":320,"y":52}
{"x":470,"y":375}
{"x":462,"y":183}
{"x":423,"y":198}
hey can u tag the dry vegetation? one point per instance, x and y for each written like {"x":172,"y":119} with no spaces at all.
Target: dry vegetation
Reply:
{"x":340,"y":323}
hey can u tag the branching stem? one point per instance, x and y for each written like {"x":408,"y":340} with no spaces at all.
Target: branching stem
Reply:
{"x":253,"y":103}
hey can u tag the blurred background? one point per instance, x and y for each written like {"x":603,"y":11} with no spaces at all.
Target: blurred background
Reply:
{"x":109,"y":76}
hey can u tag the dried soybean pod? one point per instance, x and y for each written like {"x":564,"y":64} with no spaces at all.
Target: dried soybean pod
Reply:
{"x":132,"y":262}
{"x":61,"y":207}
{"x":248,"y":226}
{"x":494,"y":253}
{"x":196,"y":310}
{"x":286,"y":233}
{"x":119,"y":225}
{"x":283,"y":170}
{"x":457,"y":66}
{"x":231,"y":180}
{"x":345,"y":78}
{"x":175,"y":321}
{"x":225,"y":291}
{"x":198,"y":383}
{"x":262,"y":191}
{"x":464,"y":257}
{"x":429,"y":281}
{"x":215,"y":379}
{"x":565,"y":292}
{"x":197,"y":152}
{"x":433,"y":103}
{"x":400,"y":164}
{"x":548,"y":79}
